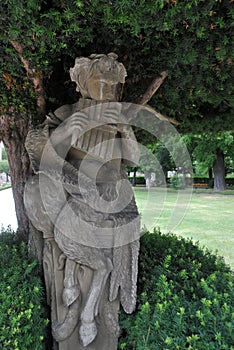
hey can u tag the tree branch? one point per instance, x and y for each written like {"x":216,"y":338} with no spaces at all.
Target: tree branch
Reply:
{"x":161,"y":116}
{"x":35,"y":76}
{"x":154,"y":86}
{"x":18,"y":48}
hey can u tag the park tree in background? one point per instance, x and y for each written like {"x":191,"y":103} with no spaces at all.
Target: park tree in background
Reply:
{"x":211,"y":150}
{"x":4,"y":167}
{"x":192,"y":41}
{"x":155,"y":158}
{"x":4,"y":155}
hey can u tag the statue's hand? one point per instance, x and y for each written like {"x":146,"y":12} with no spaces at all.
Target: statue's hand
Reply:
{"x":110,"y":113}
{"x":71,"y":128}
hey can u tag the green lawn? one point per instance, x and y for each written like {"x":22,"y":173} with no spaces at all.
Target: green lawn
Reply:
{"x":203,"y":216}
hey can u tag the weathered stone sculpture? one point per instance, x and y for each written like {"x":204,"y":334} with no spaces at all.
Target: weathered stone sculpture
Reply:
{"x":81,"y":201}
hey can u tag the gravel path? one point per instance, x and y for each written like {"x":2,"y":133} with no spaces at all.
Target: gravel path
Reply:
{"x":7,"y":210}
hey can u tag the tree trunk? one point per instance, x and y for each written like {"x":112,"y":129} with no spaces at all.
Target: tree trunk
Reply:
{"x":210,"y":176}
{"x":13,"y":132}
{"x":134,"y":177}
{"x":219,"y":171}
{"x":14,"y":135}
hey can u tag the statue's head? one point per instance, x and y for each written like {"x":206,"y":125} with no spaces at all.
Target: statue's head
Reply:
{"x":98,"y":76}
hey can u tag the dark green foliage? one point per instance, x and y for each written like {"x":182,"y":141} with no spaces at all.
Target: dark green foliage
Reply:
{"x":185,"y":298}
{"x":22,"y":316}
{"x":192,"y":40}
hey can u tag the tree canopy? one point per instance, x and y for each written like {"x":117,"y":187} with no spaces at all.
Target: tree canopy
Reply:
{"x":213,"y":152}
{"x":192,"y":40}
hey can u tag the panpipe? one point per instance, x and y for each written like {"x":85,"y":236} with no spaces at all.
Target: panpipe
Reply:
{"x":98,"y":142}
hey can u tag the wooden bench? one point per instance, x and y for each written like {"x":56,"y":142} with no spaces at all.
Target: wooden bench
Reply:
{"x":200,"y":185}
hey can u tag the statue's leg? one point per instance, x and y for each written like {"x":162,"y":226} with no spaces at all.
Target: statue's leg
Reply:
{"x":62,"y":296}
{"x":71,"y":289}
{"x":88,"y":329}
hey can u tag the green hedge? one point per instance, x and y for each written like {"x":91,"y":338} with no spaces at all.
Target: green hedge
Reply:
{"x":185,"y":298}
{"x":139,"y":180}
{"x":22,"y":315}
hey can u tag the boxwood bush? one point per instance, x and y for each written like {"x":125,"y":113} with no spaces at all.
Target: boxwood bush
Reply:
{"x":185,"y":298}
{"x":22,"y":315}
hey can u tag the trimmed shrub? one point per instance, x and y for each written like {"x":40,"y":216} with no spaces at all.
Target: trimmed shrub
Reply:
{"x":177,"y":182}
{"x":139,"y":180}
{"x":22,"y":315}
{"x":185,"y":298}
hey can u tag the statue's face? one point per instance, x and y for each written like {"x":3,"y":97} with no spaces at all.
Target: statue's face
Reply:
{"x":101,"y":89}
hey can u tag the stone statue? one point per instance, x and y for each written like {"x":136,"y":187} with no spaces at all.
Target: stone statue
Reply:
{"x":82,"y":203}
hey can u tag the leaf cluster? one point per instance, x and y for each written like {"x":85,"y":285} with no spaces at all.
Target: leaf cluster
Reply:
{"x":22,"y":314}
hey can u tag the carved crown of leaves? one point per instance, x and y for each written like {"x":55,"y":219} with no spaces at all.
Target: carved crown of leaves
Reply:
{"x":97,"y":67}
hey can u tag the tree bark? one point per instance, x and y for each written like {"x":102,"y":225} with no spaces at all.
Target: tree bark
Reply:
{"x":219,"y":171}
{"x":14,"y":131}
{"x":36,"y":78}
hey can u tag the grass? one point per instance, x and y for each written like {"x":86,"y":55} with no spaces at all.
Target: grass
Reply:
{"x":4,"y":187}
{"x":204,"y":216}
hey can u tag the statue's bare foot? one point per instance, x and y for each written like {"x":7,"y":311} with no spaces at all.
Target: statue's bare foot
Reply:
{"x":88,"y":332}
